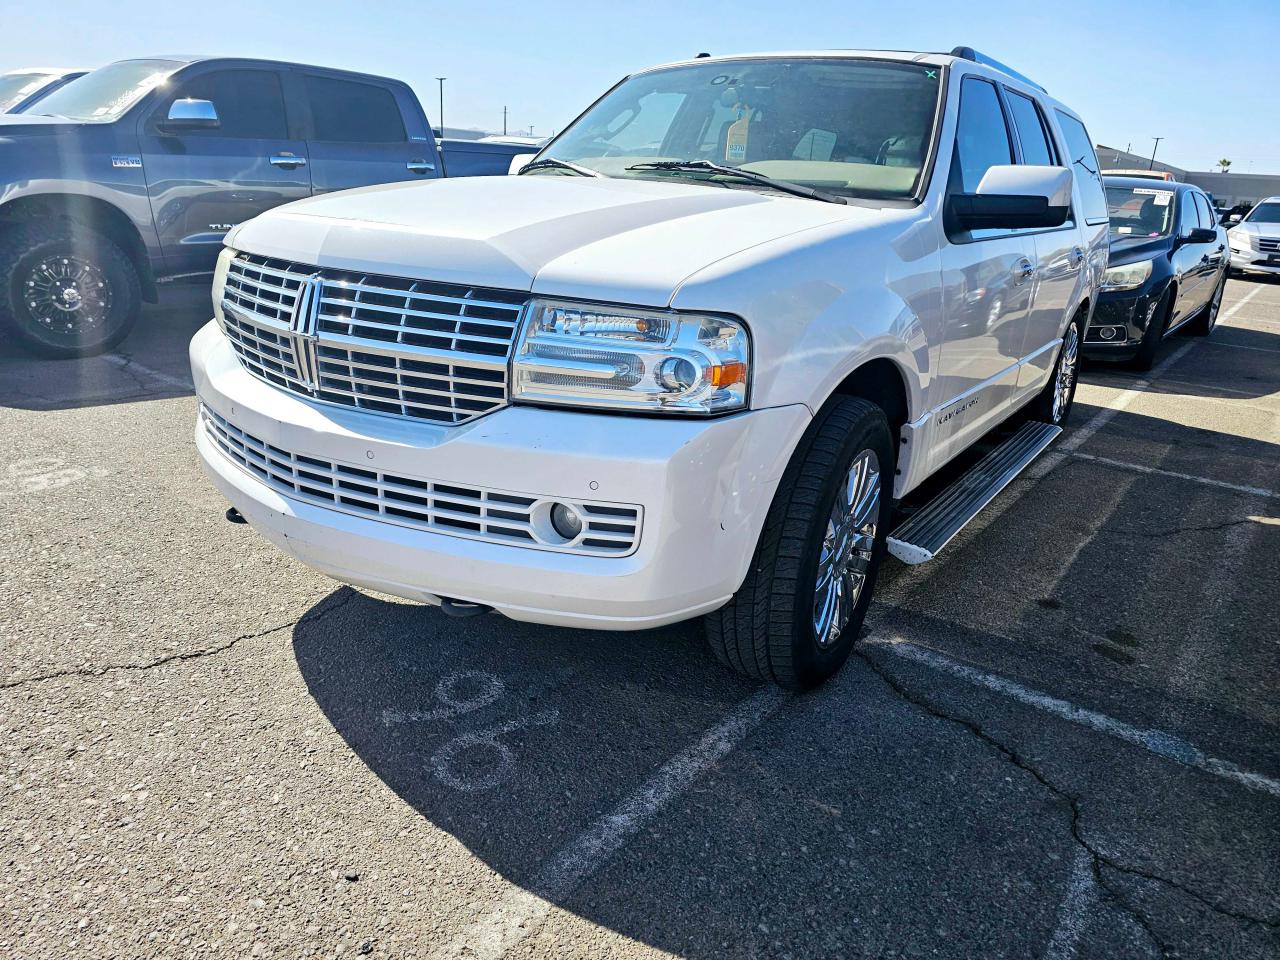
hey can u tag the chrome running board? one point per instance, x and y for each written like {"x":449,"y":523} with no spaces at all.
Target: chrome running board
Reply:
{"x":931,"y":527}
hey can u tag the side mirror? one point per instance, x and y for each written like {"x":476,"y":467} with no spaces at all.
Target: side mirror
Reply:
{"x":1202,"y":235}
{"x":518,"y":162}
{"x":1234,"y":218}
{"x":191,"y":114}
{"x":1015,"y":197}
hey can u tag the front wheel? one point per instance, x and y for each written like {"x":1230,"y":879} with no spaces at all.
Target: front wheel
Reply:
{"x":1207,"y":318}
{"x":796,"y":616}
{"x":1054,"y":403}
{"x":66,"y":291}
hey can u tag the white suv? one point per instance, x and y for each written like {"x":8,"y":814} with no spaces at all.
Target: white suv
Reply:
{"x":682,"y":364}
{"x":1255,"y":240}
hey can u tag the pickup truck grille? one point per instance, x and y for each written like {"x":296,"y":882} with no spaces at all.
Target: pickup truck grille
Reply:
{"x":413,"y":348}
{"x":1269,"y":244}
{"x":475,"y":513}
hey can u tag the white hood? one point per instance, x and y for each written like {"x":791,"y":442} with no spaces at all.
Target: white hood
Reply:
{"x":630,"y":241}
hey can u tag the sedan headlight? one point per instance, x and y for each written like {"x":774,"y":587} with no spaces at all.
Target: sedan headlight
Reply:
{"x":659,"y":361}
{"x":1126,"y":277}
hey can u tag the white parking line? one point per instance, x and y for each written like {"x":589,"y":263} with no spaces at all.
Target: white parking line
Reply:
{"x":518,"y":912}
{"x":1174,"y":474}
{"x":1158,"y":742}
{"x":1082,"y":894}
{"x":122,"y":362}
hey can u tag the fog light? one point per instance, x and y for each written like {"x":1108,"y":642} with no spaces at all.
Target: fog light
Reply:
{"x":1107,"y":333}
{"x":566,"y":521}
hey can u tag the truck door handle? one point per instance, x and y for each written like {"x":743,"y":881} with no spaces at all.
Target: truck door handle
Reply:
{"x":288,"y":161}
{"x":1077,"y":257}
{"x":1024,"y":270}
{"x":419,"y":166}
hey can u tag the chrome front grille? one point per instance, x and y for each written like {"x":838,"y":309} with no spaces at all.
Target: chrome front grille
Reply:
{"x":1269,"y":244}
{"x":475,"y":513}
{"x":414,"y":348}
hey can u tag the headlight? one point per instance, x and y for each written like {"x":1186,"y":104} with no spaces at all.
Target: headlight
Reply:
{"x":620,"y":358}
{"x":1239,"y":240}
{"x":220,"y":280}
{"x":1126,"y":277}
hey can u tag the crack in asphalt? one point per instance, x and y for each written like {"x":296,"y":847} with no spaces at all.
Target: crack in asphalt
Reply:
{"x":1098,"y":858}
{"x":1178,"y":531}
{"x":95,"y":673}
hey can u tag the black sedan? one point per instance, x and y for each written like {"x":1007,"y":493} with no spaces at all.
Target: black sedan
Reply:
{"x":1167,"y":269}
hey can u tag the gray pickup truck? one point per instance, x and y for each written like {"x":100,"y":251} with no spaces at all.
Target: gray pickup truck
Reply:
{"x":134,"y":173}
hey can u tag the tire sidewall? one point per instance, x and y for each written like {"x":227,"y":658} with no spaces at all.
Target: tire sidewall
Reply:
{"x":38,"y":244}
{"x":812,"y":663}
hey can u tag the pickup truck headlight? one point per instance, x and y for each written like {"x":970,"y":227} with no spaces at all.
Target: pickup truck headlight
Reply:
{"x":658,"y":361}
{"x":1126,"y":277}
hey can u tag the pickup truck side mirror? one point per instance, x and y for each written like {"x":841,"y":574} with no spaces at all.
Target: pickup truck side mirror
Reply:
{"x":188,"y":114}
{"x":518,"y":162}
{"x":1201,"y":235}
{"x":1013,"y":197}
{"x":1234,"y":218}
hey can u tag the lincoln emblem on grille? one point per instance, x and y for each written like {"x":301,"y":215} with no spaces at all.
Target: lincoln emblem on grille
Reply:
{"x":303,"y":330}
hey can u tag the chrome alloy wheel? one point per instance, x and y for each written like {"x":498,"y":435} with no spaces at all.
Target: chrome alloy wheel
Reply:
{"x":67,"y":295}
{"x":1067,"y":365}
{"x":847,"y":548}
{"x":1216,"y":303}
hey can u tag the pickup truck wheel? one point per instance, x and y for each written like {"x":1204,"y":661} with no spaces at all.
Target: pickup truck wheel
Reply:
{"x":65,"y":291}
{"x":801,"y":606}
{"x":1054,"y":403}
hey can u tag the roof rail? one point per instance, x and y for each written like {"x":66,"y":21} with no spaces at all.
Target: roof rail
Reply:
{"x":973,"y":56}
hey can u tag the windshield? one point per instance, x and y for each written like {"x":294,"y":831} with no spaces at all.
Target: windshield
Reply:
{"x":16,"y":87}
{"x":1268,"y":212}
{"x":1140,"y":211}
{"x":844,"y":126}
{"x":103,"y":95}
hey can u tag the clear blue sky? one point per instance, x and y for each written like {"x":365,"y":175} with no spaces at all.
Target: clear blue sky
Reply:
{"x":1201,"y":74}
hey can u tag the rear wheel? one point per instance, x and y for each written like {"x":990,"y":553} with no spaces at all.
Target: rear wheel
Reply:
{"x":1204,"y":322}
{"x":66,"y":291}
{"x":796,"y":616}
{"x":1154,"y":334}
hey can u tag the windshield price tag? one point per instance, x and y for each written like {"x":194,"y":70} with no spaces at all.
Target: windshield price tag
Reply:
{"x":1162,"y":196}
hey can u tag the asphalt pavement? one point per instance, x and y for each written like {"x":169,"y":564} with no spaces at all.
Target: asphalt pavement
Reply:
{"x":1059,"y":740}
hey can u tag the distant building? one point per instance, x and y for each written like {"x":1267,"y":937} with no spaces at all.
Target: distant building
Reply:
{"x":1228,"y":189}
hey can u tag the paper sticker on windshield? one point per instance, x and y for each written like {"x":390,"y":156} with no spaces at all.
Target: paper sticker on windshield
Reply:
{"x":735,"y":144}
{"x":1124,"y":229}
{"x":1162,"y":196}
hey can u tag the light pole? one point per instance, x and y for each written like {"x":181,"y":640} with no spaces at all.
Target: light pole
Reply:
{"x":504,"y":121}
{"x":441,"y":81}
{"x":1152,"y":164}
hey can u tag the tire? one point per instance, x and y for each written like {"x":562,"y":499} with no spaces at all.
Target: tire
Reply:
{"x":769,"y":631}
{"x":1055,"y":401}
{"x":1203,"y":323}
{"x":86,"y":291}
{"x":1154,"y":334}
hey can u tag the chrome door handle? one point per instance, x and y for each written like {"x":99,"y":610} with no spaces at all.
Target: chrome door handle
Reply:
{"x":1077,"y":256}
{"x":1024,"y":270}
{"x":419,"y":166}
{"x":288,"y":161}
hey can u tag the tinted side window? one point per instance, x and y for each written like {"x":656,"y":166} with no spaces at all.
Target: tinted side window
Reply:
{"x":1188,"y":219}
{"x":982,"y":139}
{"x":1031,"y":132}
{"x":250,"y":104}
{"x":1084,"y":165}
{"x":1206,"y":213}
{"x":345,"y":111}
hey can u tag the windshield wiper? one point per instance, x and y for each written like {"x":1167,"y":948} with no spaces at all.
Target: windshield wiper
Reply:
{"x":786,"y":186}
{"x":550,"y":162}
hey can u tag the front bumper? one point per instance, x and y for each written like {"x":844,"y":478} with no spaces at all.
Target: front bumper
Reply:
{"x":1252,"y":261}
{"x":1119,"y":321}
{"x":703,"y":486}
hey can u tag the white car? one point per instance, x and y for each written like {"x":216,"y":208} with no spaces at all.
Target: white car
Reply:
{"x":1255,"y":240}
{"x":683,"y":364}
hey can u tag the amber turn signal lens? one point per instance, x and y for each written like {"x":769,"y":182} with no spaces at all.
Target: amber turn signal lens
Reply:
{"x":727,"y":374}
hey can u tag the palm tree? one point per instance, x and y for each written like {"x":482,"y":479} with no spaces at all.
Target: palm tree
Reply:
{"x":1224,"y":163}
